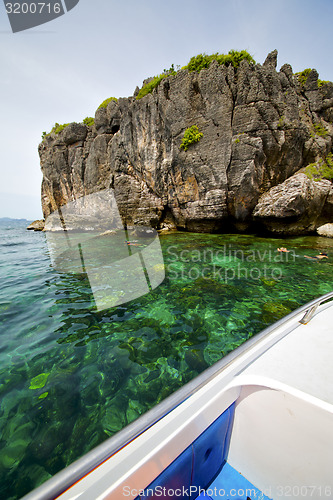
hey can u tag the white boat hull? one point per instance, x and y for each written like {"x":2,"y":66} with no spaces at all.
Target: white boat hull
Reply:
{"x":271,"y":399}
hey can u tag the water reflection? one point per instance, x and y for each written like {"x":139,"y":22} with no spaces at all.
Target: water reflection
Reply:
{"x":87,"y":236}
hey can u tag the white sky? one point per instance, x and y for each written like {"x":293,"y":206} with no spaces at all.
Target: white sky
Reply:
{"x":61,"y":71}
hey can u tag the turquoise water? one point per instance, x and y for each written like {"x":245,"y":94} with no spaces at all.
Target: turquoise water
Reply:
{"x":70,"y":376}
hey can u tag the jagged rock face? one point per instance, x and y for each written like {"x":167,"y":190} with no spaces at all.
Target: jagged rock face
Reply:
{"x":258,"y":131}
{"x":294,"y":206}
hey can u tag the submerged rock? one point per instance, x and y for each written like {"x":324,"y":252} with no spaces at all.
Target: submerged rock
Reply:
{"x":273,"y":311}
{"x":195,"y":360}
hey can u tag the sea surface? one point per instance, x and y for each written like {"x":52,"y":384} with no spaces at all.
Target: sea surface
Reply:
{"x":72,"y":376}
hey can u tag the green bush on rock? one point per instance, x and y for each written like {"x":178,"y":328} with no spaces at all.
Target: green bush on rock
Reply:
{"x":106,"y":102}
{"x":322,"y":169}
{"x":156,"y":80}
{"x":197,"y":63}
{"x":149,"y":87}
{"x":320,"y":130}
{"x":57,"y":128}
{"x":303,"y":76}
{"x":322,"y":82}
{"x":89,"y":121}
{"x":234,"y":57}
{"x":191,"y":135}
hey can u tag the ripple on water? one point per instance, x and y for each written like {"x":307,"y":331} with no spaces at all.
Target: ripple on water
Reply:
{"x":70,"y":376}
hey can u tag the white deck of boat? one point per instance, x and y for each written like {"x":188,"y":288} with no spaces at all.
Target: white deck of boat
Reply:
{"x":311,"y":369}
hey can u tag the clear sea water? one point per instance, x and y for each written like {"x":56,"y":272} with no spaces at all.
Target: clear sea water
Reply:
{"x":71,"y":376}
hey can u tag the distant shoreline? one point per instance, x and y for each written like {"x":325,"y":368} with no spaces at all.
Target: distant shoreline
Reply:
{"x":8,"y":219}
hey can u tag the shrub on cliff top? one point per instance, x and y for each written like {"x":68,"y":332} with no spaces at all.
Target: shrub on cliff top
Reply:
{"x":89,"y":121}
{"x":234,"y":57}
{"x":156,"y":80}
{"x":304,"y":75}
{"x":149,"y":87}
{"x":322,"y":82}
{"x":56,"y":129}
{"x":191,"y":135}
{"x":106,"y":102}
{"x":197,"y":63}
{"x":59,"y":128}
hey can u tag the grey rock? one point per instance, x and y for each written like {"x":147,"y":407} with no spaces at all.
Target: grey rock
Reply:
{"x":326,"y":230}
{"x":271,"y":59}
{"x":311,"y":83}
{"x":101,"y":119}
{"x":258,"y":132}
{"x":327,"y":213}
{"x":294,"y":206}
{"x":288,"y":71}
{"x":74,"y":132}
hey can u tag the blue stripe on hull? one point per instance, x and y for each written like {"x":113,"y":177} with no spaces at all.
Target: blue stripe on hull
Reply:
{"x":197,"y":466}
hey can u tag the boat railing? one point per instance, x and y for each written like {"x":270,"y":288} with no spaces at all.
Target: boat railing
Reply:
{"x":64,"y":479}
{"x":310,"y":312}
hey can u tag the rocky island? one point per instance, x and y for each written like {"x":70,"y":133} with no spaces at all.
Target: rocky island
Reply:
{"x":219,"y":145}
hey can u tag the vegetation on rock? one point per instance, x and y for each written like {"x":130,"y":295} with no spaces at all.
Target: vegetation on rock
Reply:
{"x":155,"y":81}
{"x":322,"y":82}
{"x":303,"y":76}
{"x":234,"y":57}
{"x":57,"y":128}
{"x":281,"y":122}
{"x":191,"y":135}
{"x":106,"y":102}
{"x":322,"y":169}
{"x":320,"y":130}
{"x":239,"y":112}
{"x":89,"y":121}
{"x":197,"y":63}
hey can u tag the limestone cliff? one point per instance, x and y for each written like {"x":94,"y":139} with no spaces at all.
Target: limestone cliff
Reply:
{"x":261,"y":128}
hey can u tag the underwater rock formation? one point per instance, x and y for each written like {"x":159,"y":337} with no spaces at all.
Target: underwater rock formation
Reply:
{"x":261,"y":129}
